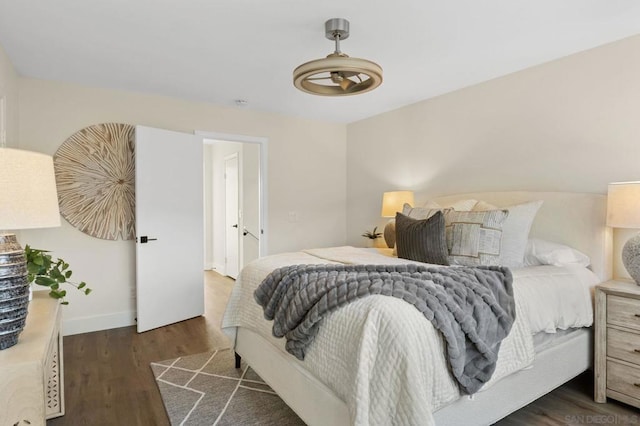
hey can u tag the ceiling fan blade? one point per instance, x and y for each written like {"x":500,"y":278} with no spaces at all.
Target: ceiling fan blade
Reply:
{"x":318,"y":78}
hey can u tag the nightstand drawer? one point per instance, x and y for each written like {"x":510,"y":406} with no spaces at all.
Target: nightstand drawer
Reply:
{"x":624,"y":379}
{"x":623,"y":311}
{"x":623,"y":345}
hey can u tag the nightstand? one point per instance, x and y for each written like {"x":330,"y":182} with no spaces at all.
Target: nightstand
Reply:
{"x":617,"y":342}
{"x":31,"y":372}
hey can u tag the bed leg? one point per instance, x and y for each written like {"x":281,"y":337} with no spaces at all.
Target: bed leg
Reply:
{"x":238,"y":359}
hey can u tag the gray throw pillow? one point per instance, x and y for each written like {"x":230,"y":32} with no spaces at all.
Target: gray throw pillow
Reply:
{"x":422,"y":240}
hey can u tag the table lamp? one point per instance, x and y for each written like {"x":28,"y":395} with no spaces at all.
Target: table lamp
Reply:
{"x":28,"y":199}
{"x":392,"y":202}
{"x":623,"y":211}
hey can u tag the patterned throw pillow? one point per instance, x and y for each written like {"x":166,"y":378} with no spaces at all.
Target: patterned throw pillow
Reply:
{"x":515,"y":230}
{"x":474,"y":237}
{"x":422,"y":240}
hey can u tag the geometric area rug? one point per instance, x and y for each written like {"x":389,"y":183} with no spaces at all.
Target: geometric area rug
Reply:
{"x":207,"y":389}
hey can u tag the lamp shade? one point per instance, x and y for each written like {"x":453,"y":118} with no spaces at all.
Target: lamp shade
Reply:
{"x":623,"y":205}
{"x":28,"y":197}
{"x":393,"y":201}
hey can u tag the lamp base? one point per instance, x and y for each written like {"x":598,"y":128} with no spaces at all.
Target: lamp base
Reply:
{"x":14,"y":290}
{"x":390,"y":233}
{"x":631,"y":257}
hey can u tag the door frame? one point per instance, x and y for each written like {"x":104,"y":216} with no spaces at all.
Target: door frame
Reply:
{"x":262,"y":173}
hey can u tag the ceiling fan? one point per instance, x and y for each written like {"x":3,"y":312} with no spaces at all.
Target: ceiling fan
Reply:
{"x":337,"y":74}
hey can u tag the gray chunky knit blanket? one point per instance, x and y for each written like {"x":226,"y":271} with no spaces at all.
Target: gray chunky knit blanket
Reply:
{"x":473,"y":307}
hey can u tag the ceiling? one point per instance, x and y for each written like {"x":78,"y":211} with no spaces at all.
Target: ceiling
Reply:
{"x":219,"y":51}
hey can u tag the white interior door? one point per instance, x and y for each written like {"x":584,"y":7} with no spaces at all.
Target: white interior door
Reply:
{"x":169,"y":227}
{"x":232,"y":216}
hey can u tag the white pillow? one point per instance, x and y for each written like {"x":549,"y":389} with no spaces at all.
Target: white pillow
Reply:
{"x":460,"y":205}
{"x":541,"y":252}
{"x":515,"y":230}
{"x":465,"y":205}
{"x":420,"y":213}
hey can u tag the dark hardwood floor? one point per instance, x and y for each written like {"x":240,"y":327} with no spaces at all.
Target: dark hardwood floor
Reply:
{"x":107,"y":376}
{"x":108,"y":380}
{"x":572,"y":404}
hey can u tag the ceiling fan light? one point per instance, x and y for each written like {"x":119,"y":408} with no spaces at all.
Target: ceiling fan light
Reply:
{"x":342,"y":80}
{"x":341,"y":65}
{"x":337,"y":68}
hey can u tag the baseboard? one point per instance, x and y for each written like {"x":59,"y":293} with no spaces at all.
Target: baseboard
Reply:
{"x":97,"y":323}
{"x":219,"y":268}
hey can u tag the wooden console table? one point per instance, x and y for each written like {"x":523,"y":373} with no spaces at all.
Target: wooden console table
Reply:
{"x":31,"y":372}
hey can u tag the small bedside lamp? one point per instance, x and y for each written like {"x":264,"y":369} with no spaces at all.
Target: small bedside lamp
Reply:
{"x":28,"y":199}
{"x":623,"y":211}
{"x":392,"y":203}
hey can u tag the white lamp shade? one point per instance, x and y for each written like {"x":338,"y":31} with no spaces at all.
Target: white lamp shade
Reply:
{"x":623,"y":205}
{"x":393,"y":201}
{"x":28,"y":197}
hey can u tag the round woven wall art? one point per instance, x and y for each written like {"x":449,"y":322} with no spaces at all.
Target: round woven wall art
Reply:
{"x":95,"y":172}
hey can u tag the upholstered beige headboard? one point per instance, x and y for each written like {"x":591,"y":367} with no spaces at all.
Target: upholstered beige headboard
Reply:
{"x":574,"y":219}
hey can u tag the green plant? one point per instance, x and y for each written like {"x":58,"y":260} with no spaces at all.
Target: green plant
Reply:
{"x":48,"y":272}
{"x":372,"y":235}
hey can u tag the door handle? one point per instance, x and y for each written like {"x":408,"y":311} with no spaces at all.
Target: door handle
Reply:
{"x":144,"y":239}
{"x":234,"y":226}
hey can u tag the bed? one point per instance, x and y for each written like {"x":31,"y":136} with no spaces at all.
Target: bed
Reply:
{"x":339,"y":385}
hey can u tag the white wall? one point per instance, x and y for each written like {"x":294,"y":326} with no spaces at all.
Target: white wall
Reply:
{"x":249,"y":178}
{"x":251,"y":201}
{"x":207,"y":153}
{"x":568,"y":125}
{"x":299,"y":154}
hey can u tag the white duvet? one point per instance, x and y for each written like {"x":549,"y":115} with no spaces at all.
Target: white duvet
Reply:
{"x":384,"y":359}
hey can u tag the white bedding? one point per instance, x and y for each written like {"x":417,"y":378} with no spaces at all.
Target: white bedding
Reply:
{"x":383,"y":358}
{"x":554,"y":297}
{"x":557,"y":298}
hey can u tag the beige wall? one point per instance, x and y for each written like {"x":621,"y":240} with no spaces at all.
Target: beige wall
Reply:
{"x":568,"y":125}
{"x":299,"y":155}
{"x":9,"y":91}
